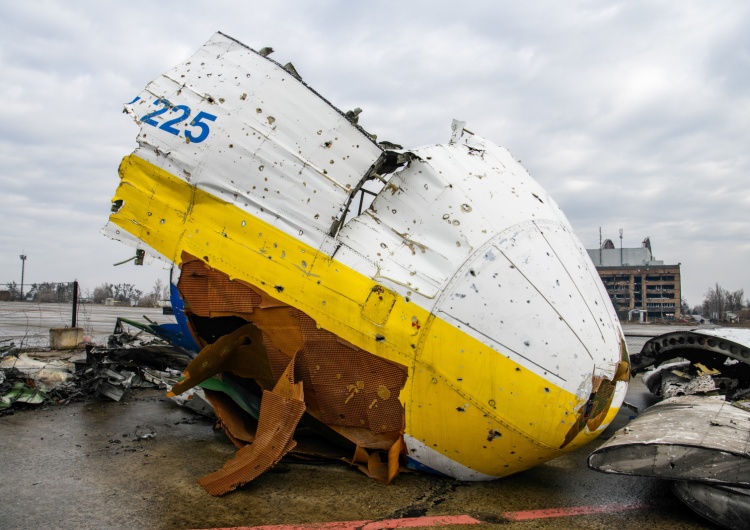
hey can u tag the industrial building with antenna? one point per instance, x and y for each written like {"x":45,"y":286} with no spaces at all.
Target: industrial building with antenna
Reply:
{"x":640,"y":287}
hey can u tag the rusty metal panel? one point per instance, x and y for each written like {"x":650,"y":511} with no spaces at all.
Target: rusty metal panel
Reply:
{"x":211,"y":293}
{"x":685,"y":438}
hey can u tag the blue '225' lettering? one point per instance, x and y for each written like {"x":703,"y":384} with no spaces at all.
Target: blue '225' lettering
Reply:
{"x":199,"y":121}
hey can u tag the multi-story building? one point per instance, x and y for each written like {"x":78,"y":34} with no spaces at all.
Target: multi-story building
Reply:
{"x":635,"y":281}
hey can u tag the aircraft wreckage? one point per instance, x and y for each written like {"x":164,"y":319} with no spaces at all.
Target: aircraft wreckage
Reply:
{"x":429,"y":307}
{"x":699,"y":435}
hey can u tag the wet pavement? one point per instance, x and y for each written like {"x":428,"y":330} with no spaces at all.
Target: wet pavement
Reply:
{"x":84,"y":465}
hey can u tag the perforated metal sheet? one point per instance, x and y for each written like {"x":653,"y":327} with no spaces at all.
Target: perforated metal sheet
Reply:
{"x":211,"y":293}
{"x":344,"y":386}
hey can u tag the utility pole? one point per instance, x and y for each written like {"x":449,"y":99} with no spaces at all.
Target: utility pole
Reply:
{"x":23,"y":269}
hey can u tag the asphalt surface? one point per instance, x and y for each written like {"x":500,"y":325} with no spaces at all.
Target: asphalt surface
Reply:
{"x":85,"y":465}
{"x":88,"y":465}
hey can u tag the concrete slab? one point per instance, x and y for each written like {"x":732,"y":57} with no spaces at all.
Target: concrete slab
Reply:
{"x":65,"y":338}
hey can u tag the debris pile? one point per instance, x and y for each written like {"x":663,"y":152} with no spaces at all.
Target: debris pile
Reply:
{"x":9,"y":348}
{"x":24,"y":380}
{"x":699,"y":435}
{"x":110,"y":375}
{"x":139,"y":359}
{"x":14,"y":390}
{"x":703,"y":362}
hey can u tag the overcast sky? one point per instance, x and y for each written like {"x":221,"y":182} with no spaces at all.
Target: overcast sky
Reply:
{"x":632,"y":114}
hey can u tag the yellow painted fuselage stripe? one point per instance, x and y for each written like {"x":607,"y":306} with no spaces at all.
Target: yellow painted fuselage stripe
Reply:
{"x":463,"y":399}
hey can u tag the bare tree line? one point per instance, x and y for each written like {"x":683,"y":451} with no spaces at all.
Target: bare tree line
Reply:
{"x":123,"y":293}
{"x":717,"y":302}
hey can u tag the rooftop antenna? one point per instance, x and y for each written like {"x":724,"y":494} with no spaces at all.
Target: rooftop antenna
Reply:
{"x":621,"y":264}
{"x":600,"y":246}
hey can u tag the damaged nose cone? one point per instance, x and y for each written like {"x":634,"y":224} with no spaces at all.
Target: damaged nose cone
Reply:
{"x":429,"y":306}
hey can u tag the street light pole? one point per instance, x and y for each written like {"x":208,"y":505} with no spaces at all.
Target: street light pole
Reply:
{"x":23,"y":269}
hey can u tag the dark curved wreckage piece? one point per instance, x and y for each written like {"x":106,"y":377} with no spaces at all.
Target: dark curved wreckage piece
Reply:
{"x":724,"y":505}
{"x":698,"y":361}
{"x":699,"y":435}
{"x":712,"y":345}
{"x":701,"y":438}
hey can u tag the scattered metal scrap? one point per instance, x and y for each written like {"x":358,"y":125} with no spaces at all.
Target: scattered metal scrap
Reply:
{"x":140,"y":359}
{"x":696,"y":361}
{"x":18,"y":392}
{"x":24,"y":380}
{"x":699,"y":435}
{"x":8,"y":348}
{"x":152,"y":345}
{"x":45,"y":375}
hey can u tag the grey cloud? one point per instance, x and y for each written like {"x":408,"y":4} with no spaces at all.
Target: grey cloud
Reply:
{"x":632,"y":114}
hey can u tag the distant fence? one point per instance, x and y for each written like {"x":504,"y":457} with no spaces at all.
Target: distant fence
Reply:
{"x":635,"y":342}
{"x":26,"y":325}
